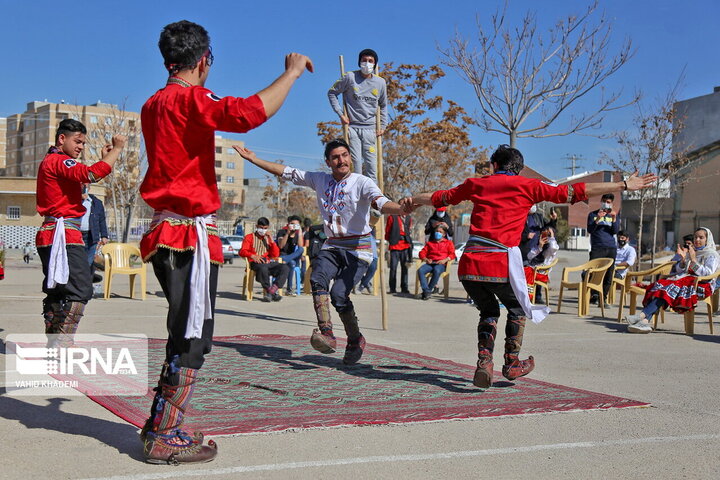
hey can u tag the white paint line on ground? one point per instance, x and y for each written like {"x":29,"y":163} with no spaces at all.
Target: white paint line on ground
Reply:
{"x":173,"y":472}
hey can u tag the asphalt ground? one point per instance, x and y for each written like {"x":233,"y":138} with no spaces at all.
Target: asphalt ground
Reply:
{"x":677,"y":437}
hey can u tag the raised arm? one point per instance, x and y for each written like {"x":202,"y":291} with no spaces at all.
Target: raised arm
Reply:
{"x":274,"y":95}
{"x":633,"y":182}
{"x":110,"y":153}
{"x":270,"y":167}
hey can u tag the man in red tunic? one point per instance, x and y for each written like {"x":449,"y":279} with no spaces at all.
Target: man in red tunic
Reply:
{"x":68,"y":281}
{"x":179,"y":124}
{"x":491,"y":265}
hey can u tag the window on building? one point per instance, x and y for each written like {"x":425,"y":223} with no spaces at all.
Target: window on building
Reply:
{"x":231,"y":151}
{"x":13,"y":213}
{"x":108,"y":121}
{"x":218,"y":178}
{"x":218,"y":149}
{"x":94,"y":134}
{"x":108,"y":137}
{"x":607,"y":177}
{"x":218,"y":163}
{"x":93,"y":119}
{"x":230,"y":179}
{"x":231,"y":165}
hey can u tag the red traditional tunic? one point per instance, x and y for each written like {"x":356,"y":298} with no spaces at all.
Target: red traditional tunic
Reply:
{"x":59,"y":194}
{"x":179,"y":124}
{"x":501,"y":205}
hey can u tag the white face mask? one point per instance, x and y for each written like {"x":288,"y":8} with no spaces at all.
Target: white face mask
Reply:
{"x":533,"y":209}
{"x":440,"y":214}
{"x":261,"y":231}
{"x":367,"y":68}
{"x":607,"y":206}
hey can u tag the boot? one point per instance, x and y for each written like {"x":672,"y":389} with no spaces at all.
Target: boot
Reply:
{"x":514,"y":367}
{"x":164,"y":440}
{"x":73,"y":312}
{"x":356,"y":342}
{"x":53,"y":316}
{"x":487,"y":329}
{"x":322,"y":339}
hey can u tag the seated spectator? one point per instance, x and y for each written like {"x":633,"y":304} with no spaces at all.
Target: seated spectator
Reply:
{"x":535,"y":223}
{"x":437,"y":253}
{"x":626,"y":255}
{"x":291,"y":242}
{"x":678,"y":292}
{"x":263,"y":253}
{"x":542,"y":254}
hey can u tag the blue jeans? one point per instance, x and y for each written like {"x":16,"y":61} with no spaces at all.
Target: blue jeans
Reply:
{"x":292,"y":261}
{"x":367,"y":279}
{"x":436,"y":271}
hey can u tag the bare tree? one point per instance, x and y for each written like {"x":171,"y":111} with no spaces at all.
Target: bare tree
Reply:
{"x":648,"y":148}
{"x":519,"y":74}
{"x":426,"y":145}
{"x":123,"y":184}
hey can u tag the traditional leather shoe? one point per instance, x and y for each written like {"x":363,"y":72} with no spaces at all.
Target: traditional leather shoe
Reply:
{"x":354,"y":351}
{"x":518,"y":368}
{"x":324,"y":342}
{"x":178,"y":449}
{"x":483,"y":373}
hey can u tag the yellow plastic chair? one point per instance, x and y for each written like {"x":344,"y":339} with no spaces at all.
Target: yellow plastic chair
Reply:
{"x":545,"y":270}
{"x":591,"y":281}
{"x":249,"y":280}
{"x":117,"y":262}
{"x":445,"y":277}
{"x":615,"y":284}
{"x":708,"y":301}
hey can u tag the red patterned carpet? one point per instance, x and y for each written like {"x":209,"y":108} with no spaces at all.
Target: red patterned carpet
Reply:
{"x":267,"y":383}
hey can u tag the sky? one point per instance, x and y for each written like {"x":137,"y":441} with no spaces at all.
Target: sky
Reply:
{"x":85,"y":51}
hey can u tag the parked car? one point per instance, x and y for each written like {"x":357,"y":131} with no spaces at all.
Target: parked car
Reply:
{"x":236,"y":242}
{"x":459,"y":249}
{"x":228,"y":250}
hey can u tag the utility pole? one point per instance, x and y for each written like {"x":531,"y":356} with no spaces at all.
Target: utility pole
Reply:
{"x":574,"y":160}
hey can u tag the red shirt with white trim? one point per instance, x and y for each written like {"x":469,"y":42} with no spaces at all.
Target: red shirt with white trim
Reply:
{"x":179,"y":124}
{"x":501,"y":206}
{"x":59,"y":193}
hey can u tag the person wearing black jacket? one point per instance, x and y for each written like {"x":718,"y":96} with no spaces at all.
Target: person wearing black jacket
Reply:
{"x":93,"y":226}
{"x":438,"y":217}
{"x":602,"y":225}
{"x":535,"y":224}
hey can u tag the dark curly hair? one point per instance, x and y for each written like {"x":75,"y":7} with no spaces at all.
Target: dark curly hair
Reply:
{"x":333,"y":144}
{"x":182,"y":45}
{"x":508,"y":159}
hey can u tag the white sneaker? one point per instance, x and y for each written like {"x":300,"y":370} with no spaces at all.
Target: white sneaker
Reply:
{"x":640,"y":327}
{"x":634,"y":319}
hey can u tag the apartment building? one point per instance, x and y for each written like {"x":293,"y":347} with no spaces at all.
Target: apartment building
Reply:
{"x":29,"y":134}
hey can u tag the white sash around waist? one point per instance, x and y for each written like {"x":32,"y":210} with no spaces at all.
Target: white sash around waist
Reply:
{"x":58,"y":269}
{"x":200,"y":274}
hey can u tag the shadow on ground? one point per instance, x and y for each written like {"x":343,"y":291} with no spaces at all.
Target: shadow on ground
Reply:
{"x":403,"y":373}
{"x":120,"y":436}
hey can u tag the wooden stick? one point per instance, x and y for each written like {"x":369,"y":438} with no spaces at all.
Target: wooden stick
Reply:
{"x":346,"y":133}
{"x":381,"y":224}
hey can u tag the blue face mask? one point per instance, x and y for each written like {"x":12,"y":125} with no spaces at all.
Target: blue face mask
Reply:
{"x":438,"y":235}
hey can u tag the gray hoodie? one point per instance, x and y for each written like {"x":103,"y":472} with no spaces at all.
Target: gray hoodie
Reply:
{"x":362,"y":97}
